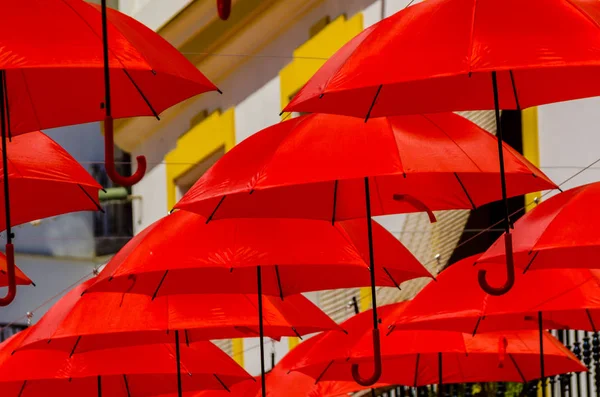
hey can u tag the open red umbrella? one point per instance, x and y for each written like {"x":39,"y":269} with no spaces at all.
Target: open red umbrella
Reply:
{"x":97,"y":320}
{"x":123,"y":372}
{"x":418,"y":358}
{"x":45,"y":181}
{"x":51,"y":74}
{"x":183,"y":253}
{"x":449,"y":55}
{"x":283,"y":382}
{"x":545,"y":299}
{"x":334,"y":168}
{"x":20,"y":277}
{"x":559,"y":233}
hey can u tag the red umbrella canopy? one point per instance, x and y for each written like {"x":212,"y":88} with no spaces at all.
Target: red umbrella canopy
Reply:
{"x":21,"y":277}
{"x":439,"y":55}
{"x":182,"y":254}
{"x":137,"y":371}
{"x":314,"y":166}
{"x":558,"y":233}
{"x":281,"y":381}
{"x":80,"y":323}
{"x":52,"y":55}
{"x":411,"y":358}
{"x":567,"y":299}
{"x":45,"y":181}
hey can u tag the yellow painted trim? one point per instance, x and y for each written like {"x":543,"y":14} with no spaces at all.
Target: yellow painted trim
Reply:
{"x":293,"y":342}
{"x":237,"y":351}
{"x":365,"y":299}
{"x":531,"y":150}
{"x":215,"y":132}
{"x":323,"y":45}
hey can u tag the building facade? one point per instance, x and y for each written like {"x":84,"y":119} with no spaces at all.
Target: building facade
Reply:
{"x":260,"y":58}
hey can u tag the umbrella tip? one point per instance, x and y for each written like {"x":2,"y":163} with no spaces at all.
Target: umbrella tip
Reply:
{"x":219,"y":91}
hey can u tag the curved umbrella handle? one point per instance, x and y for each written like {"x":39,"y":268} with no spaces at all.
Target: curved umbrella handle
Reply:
{"x":376,"y":361}
{"x":224,"y":8}
{"x":510,"y":271}
{"x":109,"y":159}
{"x":418,"y":204}
{"x":10,"y":272}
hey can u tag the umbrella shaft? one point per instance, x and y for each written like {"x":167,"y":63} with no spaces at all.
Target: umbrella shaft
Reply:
{"x":542,"y":370}
{"x":107,"y":104}
{"x":371,"y":253}
{"x":178,"y":359}
{"x":261,"y":331}
{"x":99,"y":386}
{"x":3,"y":117}
{"x":501,"y":153}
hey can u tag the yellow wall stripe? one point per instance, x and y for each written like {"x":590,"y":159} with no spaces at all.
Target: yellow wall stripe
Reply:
{"x":531,"y":150}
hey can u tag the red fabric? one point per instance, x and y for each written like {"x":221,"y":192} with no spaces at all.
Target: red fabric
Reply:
{"x":100,"y":320}
{"x":290,"y":169}
{"x":149,"y":370}
{"x":221,"y":257}
{"x":52,"y":54}
{"x":282,"y":382}
{"x":464,"y":358}
{"x":559,"y":233}
{"x":45,"y":181}
{"x":568,"y":299}
{"x":21,"y":277}
{"x":438,"y":56}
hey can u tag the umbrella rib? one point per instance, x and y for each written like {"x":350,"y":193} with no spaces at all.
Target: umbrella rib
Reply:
{"x":215,"y":210}
{"x":279,"y":281}
{"x":335,"y":187}
{"x":126,"y":385}
{"x":589,"y":316}
{"x":417,"y":370}
{"x":373,"y":103}
{"x":391,"y":278}
{"x":465,"y":190}
{"x":187,"y":338}
{"x":139,"y":90}
{"x":323,"y":373}
{"x":22,"y":388}
{"x":514,"y":86}
{"x":37,"y":119}
{"x":530,"y":262}
{"x":476,"y":325}
{"x":222,"y":384}
{"x":90,"y":197}
{"x":160,"y":284}
{"x":75,"y":346}
{"x":517,"y":367}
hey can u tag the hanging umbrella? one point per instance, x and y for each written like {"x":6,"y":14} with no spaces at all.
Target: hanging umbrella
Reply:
{"x":450,"y":55}
{"x":46,"y":181}
{"x":281,"y":381}
{"x":123,"y":372}
{"x":545,"y":299}
{"x":323,"y":167}
{"x":81,"y":322}
{"x":558,"y":233}
{"x":20,"y":277}
{"x":418,"y":358}
{"x":57,"y":81}
{"x":183,"y":253}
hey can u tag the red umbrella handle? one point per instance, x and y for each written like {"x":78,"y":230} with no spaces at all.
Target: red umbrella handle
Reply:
{"x":418,"y":204}
{"x":224,"y":8}
{"x":109,"y":159}
{"x":510,"y":271}
{"x":376,"y":362}
{"x":10,"y":272}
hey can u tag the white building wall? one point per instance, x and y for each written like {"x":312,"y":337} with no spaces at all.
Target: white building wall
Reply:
{"x":153,"y":13}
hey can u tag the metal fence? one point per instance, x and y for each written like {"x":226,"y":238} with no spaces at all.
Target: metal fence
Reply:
{"x":584,"y":345}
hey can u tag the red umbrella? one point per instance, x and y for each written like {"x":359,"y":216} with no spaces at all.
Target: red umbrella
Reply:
{"x":449,"y":55}
{"x":281,"y":381}
{"x":417,"y":358}
{"x":182,"y":253}
{"x":84,"y":322}
{"x":45,"y":181}
{"x":546,"y":299}
{"x":51,"y":73}
{"x":20,"y":277}
{"x":558,"y":233}
{"x":322,"y":167}
{"x":123,"y":372}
